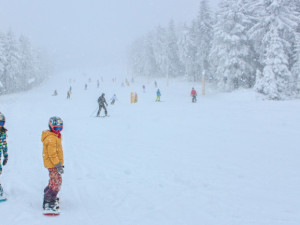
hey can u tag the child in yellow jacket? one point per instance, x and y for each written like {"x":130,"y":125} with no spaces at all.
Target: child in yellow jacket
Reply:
{"x":54,"y":161}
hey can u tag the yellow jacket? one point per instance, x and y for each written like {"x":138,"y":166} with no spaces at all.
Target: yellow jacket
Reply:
{"x":52,"y":149}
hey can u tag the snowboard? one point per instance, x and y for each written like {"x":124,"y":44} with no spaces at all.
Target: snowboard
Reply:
{"x":51,"y":213}
{"x":3,"y":199}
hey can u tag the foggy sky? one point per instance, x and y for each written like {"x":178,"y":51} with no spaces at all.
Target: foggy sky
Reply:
{"x":91,"y":32}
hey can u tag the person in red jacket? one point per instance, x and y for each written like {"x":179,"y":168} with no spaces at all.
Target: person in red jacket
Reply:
{"x":194,"y":95}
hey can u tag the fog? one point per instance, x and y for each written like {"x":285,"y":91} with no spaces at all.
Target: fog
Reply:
{"x":79,"y":33}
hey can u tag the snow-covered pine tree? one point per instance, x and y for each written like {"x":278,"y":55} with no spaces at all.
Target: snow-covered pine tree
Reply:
{"x":160,"y":50}
{"x":174,"y":65}
{"x":275,"y":30}
{"x":203,"y":41}
{"x":26,"y":63}
{"x":136,"y":57}
{"x":231,"y":54}
{"x":296,"y":66}
{"x":12,"y":68}
{"x":275,"y":80}
{"x":188,"y":51}
{"x":151,"y":68}
{"x":3,"y":62}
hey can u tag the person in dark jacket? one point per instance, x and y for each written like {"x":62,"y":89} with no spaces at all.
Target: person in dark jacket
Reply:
{"x":102,"y":102}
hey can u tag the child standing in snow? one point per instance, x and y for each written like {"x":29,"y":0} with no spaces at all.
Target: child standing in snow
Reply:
{"x":53,"y":160}
{"x":3,"y":149}
{"x":158,"y":94}
{"x":194,"y":95}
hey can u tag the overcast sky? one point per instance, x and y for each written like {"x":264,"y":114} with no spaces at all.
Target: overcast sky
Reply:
{"x":80,"y":32}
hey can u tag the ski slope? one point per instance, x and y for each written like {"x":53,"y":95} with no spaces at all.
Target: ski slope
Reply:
{"x":230,"y":159}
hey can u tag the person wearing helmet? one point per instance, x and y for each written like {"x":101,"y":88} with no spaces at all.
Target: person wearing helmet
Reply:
{"x":3,"y":150}
{"x":194,"y":95}
{"x":53,"y":158}
{"x":102,"y":102}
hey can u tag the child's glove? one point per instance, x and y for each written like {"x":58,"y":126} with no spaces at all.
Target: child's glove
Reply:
{"x":5,"y":160}
{"x":60,"y":168}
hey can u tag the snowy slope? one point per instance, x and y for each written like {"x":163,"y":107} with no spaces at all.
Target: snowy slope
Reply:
{"x":230,"y":159}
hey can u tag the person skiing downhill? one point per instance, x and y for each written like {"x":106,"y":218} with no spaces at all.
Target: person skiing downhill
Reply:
{"x":53,"y":158}
{"x":194,"y":95}
{"x":113,"y":99}
{"x":3,"y":150}
{"x":158,"y":94}
{"x":102,"y":102}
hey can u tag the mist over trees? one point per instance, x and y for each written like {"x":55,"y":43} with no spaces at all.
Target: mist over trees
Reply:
{"x":21,"y":66}
{"x":244,"y":44}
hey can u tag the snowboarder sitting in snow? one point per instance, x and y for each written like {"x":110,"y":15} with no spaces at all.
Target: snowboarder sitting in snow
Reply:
{"x":3,"y":148}
{"x":113,"y":99}
{"x":54,"y":161}
{"x":158,"y":94}
{"x":194,"y":95}
{"x":102,"y":102}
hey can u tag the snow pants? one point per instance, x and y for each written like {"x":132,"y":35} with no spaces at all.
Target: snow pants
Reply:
{"x":100,"y":107}
{"x":54,"y":185}
{"x":194,"y":99}
{"x":158,"y":98}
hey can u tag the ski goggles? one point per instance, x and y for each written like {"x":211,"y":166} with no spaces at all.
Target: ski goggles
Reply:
{"x":2,"y":123}
{"x":58,"y":128}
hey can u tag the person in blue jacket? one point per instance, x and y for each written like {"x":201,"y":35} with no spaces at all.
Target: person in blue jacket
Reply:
{"x":158,"y":94}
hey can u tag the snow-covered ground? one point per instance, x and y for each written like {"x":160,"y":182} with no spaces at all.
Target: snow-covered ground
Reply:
{"x":230,"y":159}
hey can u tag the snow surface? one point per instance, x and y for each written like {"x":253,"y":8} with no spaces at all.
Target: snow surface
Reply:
{"x":230,"y":159}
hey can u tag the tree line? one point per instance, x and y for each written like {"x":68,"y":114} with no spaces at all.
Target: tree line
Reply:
{"x":243,"y":44}
{"x":21,"y":65}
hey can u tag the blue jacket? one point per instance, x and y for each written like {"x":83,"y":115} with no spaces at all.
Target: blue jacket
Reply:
{"x":158,"y":93}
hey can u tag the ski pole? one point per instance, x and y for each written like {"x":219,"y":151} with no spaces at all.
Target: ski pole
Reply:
{"x":93,"y":112}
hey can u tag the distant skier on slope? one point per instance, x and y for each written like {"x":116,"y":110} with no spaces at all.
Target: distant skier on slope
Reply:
{"x":3,"y":150}
{"x":53,"y":158}
{"x":102,"y":102}
{"x":194,"y":95}
{"x":113,"y":99}
{"x":158,"y":94}
{"x":55,"y":93}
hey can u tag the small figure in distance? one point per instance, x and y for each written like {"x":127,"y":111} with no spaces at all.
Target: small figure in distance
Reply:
{"x":158,"y":94}
{"x":113,"y":99}
{"x":194,"y":95}
{"x":55,"y":93}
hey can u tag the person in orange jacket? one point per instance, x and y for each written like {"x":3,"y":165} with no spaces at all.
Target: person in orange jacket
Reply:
{"x":53,"y":158}
{"x":194,"y":95}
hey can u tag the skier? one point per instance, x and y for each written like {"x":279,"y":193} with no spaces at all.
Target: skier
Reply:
{"x":69,"y":94}
{"x":158,"y":94}
{"x":113,"y":99}
{"x":194,"y":95}
{"x":3,"y":149}
{"x":53,"y":158}
{"x":102,"y":102}
{"x":98,"y":83}
{"x":155,"y":84}
{"x":55,"y":93}
{"x":85,"y":87}
{"x":144,"y":88}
